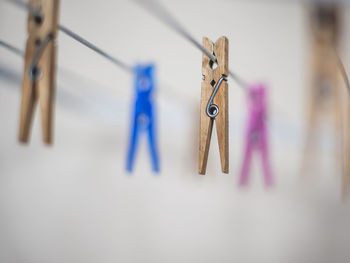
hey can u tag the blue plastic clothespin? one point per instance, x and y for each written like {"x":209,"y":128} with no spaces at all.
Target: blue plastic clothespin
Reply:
{"x":143,"y":119}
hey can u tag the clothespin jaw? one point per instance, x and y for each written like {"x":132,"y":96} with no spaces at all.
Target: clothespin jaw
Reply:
{"x":257,"y":97}
{"x":39,"y":76}
{"x":143,"y":118}
{"x":325,"y":22}
{"x":213,"y":73}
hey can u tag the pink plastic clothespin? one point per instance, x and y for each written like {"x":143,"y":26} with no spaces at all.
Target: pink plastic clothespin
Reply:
{"x":256,"y":134}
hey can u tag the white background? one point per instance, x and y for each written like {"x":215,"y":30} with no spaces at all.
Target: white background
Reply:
{"x":74,"y":202}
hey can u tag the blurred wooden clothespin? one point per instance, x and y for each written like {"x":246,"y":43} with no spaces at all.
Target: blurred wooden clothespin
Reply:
{"x":39,"y":76}
{"x":214,"y":102}
{"x":327,"y":95}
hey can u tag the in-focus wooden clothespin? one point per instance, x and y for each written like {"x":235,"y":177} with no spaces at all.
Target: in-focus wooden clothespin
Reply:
{"x":39,"y":76}
{"x":214,"y":102}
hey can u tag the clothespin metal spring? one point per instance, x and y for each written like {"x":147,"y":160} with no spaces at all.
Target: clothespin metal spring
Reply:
{"x":212,"y":109}
{"x":34,"y":71}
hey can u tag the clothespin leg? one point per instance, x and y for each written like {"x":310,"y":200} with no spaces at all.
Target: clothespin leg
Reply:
{"x":132,"y":145}
{"x":221,"y":122}
{"x":153,"y":146}
{"x":206,"y":127}
{"x":47,"y":91}
{"x":243,"y":181}
{"x":29,"y":98}
{"x":309,"y":147}
{"x":265,"y":158}
{"x":341,"y":142}
{"x":346,"y":165}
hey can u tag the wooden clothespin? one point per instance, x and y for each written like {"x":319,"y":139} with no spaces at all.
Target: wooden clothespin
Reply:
{"x":326,"y":92}
{"x":214,"y":102}
{"x":39,"y":76}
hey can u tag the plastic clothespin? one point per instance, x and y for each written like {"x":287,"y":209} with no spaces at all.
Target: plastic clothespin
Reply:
{"x":256,"y":134}
{"x":39,"y":68}
{"x":143,"y":119}
{"x":214,"y":102}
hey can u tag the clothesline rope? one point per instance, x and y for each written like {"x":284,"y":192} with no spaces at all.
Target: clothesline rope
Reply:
{"x":11,"y":48}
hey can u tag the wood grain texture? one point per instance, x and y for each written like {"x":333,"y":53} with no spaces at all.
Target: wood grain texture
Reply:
{"x":44,"y":88}
{"x":220,"y":50}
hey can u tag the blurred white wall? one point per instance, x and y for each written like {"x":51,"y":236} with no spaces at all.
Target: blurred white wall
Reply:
{"x":73,"y":202}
